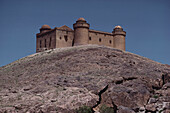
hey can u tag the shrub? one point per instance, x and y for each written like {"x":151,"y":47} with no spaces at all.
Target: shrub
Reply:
{"x":105,"y":109}
{"x":161,"y":111}
{"x":155,"y":96}
{"x":84,"y":109}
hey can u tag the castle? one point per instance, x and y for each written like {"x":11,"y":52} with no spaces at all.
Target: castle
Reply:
{"x":81,"y":35}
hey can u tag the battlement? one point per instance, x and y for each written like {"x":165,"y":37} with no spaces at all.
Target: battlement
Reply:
{"x":81,"y":35}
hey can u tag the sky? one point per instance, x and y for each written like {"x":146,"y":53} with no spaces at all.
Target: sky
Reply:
{"x":146,"y":22}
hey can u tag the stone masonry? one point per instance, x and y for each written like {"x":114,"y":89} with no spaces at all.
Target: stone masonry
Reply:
{"x":81,"y":35}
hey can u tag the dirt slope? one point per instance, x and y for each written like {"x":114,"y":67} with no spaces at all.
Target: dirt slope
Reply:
{"x":62,"y":80}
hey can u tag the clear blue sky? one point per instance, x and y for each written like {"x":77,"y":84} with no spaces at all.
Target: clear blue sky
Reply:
{"x":147,"y":23}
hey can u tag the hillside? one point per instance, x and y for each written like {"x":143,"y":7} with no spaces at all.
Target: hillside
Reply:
{"x":69,"y":79}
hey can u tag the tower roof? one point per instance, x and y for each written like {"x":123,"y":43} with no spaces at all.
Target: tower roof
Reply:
{"x":119,"y":27}
{"x":45,"y":27}
{"x":81,"y":19}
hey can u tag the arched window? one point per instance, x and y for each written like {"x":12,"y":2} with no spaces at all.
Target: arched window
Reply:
{"x":66,"y":38}
{"x":100,"y":39}
{"x":40,"y":43}
{"x":45,"y":43}
{"x":110,"y":41}
{"x":89,"y":38}
{"x":50,"y":42}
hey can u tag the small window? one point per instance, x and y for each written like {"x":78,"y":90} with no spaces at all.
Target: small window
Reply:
{"x":100,"y":39}
{"x":60,"y":38}
{"x":89,"y":38}
{"x":110,"y":41}
{"x":66,"y":32}
{"x":45,"y":43}
{"x":66,"y":38}
{"x":50,"y":42}
{"x":40,"y":43}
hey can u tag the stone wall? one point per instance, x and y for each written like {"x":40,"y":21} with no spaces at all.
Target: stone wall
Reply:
{"x":81,"y":35}
{"x":64,"y":38}
{"x":119,"y":42}
{"x":46,"y":41}
{"x":101,"y":38}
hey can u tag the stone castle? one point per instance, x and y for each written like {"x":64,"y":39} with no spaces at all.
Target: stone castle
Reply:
{"x":81,"y":35}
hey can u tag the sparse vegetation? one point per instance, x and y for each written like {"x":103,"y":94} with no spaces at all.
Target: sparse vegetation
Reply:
{"x":155,"y":96}
{"x":160,"y":111}
{"x":84,"y":109}
{"x":70,"y":78}
{"x":105,"y":109}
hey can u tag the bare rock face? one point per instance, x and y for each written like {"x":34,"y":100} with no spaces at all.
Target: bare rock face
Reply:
{"x":64,"y":80}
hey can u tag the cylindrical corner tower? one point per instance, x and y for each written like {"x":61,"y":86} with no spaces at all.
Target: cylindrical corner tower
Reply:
{"x":81,"y":32}
{"x":45,"y":28}
{"x":119,"y":37}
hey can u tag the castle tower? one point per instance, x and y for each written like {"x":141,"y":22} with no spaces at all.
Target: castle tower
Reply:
{"x":81,"y":32}
{"x":119,"y":37}
{"x":45,"y":28}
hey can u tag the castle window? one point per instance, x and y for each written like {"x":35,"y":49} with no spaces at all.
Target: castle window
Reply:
{"x":50,"y":42}
{"x":66,"y":38}
{"x":89,"y":38}
{"x":60,"y":37}
{"x":100,"y":39}
{"x":40,"y":43}
{"x":45,"y":43}
{"x":110,"y":41}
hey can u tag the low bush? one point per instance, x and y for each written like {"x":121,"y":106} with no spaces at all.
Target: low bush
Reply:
{"x":105,"y":109}
{"x":84,"y":109}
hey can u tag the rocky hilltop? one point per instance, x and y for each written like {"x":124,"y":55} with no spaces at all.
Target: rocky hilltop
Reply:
{"x":84,"y":79}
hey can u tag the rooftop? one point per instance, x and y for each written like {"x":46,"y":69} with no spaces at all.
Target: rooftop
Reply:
{"x":81,"y":19}
{"x":45,"y":26}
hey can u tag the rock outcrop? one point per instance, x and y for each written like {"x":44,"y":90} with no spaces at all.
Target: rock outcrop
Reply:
{"x":64,"y":80}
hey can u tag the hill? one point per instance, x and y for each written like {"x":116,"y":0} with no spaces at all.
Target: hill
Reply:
{"x":89,"y":77}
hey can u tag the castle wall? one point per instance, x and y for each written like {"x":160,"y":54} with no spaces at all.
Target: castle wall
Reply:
{"x":101,"y":38}
{"x":119,"y":42}
{"x":81,"y":35}
{"x":46,"y":41}
{"x":81,"y":32}
{"x":64,"y":38}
